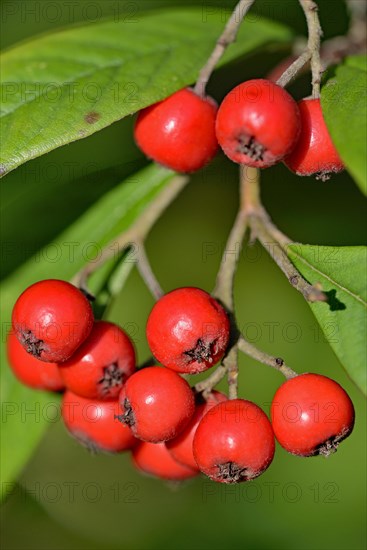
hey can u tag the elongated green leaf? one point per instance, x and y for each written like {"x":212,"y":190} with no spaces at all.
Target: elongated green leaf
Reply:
{"x":26,"y":413}
{"x":344,"y":104}
{"x":65,"y":86}
{"x":342,"y":274}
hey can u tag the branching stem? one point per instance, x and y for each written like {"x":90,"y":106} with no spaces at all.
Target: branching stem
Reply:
{"x":147,"y":273}
{"x":136,"y":234}
{"x":274,"y":362}
{"x":311,"y":9}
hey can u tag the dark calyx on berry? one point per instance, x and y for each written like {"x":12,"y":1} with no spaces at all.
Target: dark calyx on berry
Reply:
{"x":230,"y":472}
{"x":112,"y":376}
{"x":323,"y":176}
{"x":331,"y":445}
{"x":128,"y":417}
{"x":247,"y":145}
{"x":202,"y":352}
{"x":32,"y":345}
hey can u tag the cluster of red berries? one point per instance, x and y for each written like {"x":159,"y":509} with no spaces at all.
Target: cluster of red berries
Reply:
{"x":258,"y":124}
{"x":173,"y":432}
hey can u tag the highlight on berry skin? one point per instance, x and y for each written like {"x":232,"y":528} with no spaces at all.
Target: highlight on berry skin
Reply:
{"x":179,"y":132}
{"x":146,"y":404}
{"x":311,"y":415}
{"x":234,"y":442}
{"x":51,"y":319}
{"x":258,"y":123}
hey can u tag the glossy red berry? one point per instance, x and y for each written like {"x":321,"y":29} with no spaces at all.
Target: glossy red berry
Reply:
{"x":181,"y":446}
{"x":101,"y":365}
{"x":179,"y":132}
{"x":94,"y":424}
{"x":315,"y":152}
{"x":154,"y":459}
{"x":156,"y":403}
{"x":51,"y":319}
{"x":311,"y":414}
{"x":187,"y":330}
{"x":258,"y":123}
{"x":29,"y":370}
{"x":234,"y":442}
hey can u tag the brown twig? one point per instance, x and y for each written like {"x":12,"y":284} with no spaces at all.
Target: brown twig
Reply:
{"x":224,"y":285}
{"x":311,"y":9}
{"x":231,"y":364}
{"x":273,"y":240}
{"x":136,"y":234}
{"x":294,"y":69}
{"x":274,"y":362}
{"x":228,"y":36}
{"x":147,"y":273}
{"x":206,"y":386}
{"x":263,"y":233}
{"x":312,"y":52}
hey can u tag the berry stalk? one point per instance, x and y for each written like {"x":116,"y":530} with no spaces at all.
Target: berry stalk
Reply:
{"x":312,"y":52}
{"x":136,"y":233}
{"x":228,"y":36}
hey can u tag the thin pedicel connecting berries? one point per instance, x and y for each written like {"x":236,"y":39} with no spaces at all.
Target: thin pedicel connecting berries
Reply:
{"x":258,"y":123}
{"x":188,"y":330}
{"x":51,"y":319}
{"x":173,"y":430}
{"x":156,"y":403}
{"x":311,"y":414}
{"x":179,"y":132}
{"x":99,"y":368}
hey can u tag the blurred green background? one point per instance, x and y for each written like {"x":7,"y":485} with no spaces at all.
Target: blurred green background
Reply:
{"x":67,"y":499}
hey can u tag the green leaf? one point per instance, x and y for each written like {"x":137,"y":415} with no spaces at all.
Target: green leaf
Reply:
{"x":344,"y":105}
{"x":21,"y":428}
{"x":64,"y":86}
{"x":342,"y":273}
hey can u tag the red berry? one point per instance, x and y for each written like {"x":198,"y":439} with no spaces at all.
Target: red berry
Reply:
{"x":258,"y":123}
{"x":99,"y":368}
{"x":179,"y":132}
{"x":234,"y":442}
{"x":314,"y":153}
{"x":187,"y":330}
{"x":157,"y":404}
{"x":154,"y":459}
{"x":51,"y":319}
{"x":311,"y":414}
{"x":181,"y":446}
{"x":94,"y":425}
{"x":29,"y":370}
